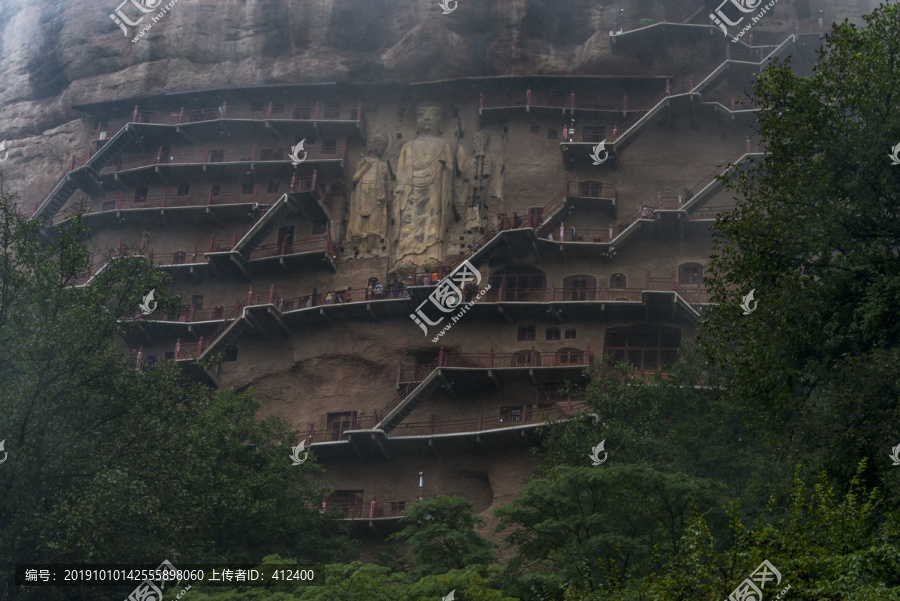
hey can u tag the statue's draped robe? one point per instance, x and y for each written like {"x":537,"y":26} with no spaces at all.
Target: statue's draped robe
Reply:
{"x":368,"y":203}
{"x":423,"y":200}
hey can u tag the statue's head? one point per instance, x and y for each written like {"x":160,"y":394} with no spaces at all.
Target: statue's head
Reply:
{"x":378,"y":143}
{"x":429,"y":117}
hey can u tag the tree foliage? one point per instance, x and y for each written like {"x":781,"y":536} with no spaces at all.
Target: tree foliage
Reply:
{"x":440,"y":534}
{"x":115,"y":462}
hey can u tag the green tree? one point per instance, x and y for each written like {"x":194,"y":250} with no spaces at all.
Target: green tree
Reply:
{"x":827,"y":546}
{"x":816,"y":234}
{"x":440,"y":534}
{"x":598,"y":527}
{"x":110,"y":461}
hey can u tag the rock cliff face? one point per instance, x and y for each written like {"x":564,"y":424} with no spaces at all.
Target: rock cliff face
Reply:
{"x":58,"y":54}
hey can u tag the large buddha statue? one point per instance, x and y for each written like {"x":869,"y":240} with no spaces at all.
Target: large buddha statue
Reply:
{"x":368,"y":201}
{"x":423,"y":203}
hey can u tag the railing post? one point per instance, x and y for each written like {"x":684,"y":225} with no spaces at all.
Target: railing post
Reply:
{"x":500,"y":293}
{"x":372,"y":509}
{"x":615,"y":132}
{"x":224,"y":108}
{"x":234,"y":241}
{"x":253,"y":150}
{"x":121,"y":197}
{"x":255,"y":192}
{"x":491,"y":363}
{"x":159,"y":155}
{"x":480,"y":102}
{"x":527,"y":100}
{"x":359,"y":112}
{"x":748,"y":144}
{"x":293,"y":180}
{"x":668,"y":87}
{"x":659,"y":200}
{"x":209,"y":196}
{"x":200,"y":347}
{"x":212,"y":242}
{"x":316,"y":113}
{"x":532,"y":355}
{"x":432,"y":424}
{"x":727,"y":52}
{"x":269,"y":111}
{"x":194,"y":256}
{"x":480,"y":420}
{"x":140,"y":353}
{"x":271,"y":294}
{"x":178,"y":349}
{"x":732,"y":103}
{"x":206,"y":153}
{"x":399,"y":369}
{"x":180,"y":115}
{"x":552,"y":292}
{"x":624,"y":103}
{"x":191,"y":315}
{"x":524,"y":414}
{"x":441,"y":356}
{"x":250,"y":296}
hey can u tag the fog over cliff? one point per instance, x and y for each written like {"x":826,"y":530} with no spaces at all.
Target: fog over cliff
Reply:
{"x":54,"y":55}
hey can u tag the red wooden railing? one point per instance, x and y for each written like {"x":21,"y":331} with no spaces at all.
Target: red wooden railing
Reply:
{"x":169,"y":199}
{"x":683,"y":15}
{"x":213,"y":155}
{"x":364,"y":510}
{"x":317,"y":244}
{"x":260,"y":111}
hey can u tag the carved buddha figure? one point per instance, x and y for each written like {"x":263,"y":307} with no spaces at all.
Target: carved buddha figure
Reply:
{"x":477,"y":174}
{"x":368,"y":201}
{"x":423,"y":203}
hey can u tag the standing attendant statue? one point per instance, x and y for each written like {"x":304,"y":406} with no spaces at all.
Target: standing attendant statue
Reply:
{"x":422,"y":200}
{"x":477,"y":174}
{"x":368,"y":201}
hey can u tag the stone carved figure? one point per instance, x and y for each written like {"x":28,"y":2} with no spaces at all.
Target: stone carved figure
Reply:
{"x":368,"y":201}
{"x":477,"y":175}
{"x":423,"y":203}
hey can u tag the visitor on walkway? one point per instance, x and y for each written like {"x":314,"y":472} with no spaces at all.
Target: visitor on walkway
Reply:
{"x":348,"y":296}
{"x":379,"y":291}
{"x":562,"y":231}
{"x":517,"y":221}
{"x":315,"y":297}
{"x":645,"y":212}
{"x":370,"y":292}
{"x":550,"y":236}
{"x":573,"y":233}
{"x":610,"y":233}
